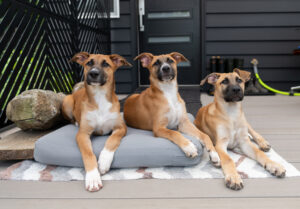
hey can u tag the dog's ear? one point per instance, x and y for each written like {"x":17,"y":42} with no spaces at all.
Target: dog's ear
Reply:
{"x":178,"y":57}
{"x":119,"y":60}
{"x":211,"y":79}
{"x":80,"y":57}
{"x":245,"y":75}
{"x":145,"y":58}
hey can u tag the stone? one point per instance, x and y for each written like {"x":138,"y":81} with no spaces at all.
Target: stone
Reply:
{"x":36,"y":109}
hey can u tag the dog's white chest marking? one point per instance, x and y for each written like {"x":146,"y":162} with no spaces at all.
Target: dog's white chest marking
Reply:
{"x":229,"y":134}
{"x":233,"y":112}
{"x":102,"y":119}
{"x":236,"y":130}
{"x":175,"y":112}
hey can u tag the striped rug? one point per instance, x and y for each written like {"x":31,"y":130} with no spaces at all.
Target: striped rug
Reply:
{"x":247,"y":168}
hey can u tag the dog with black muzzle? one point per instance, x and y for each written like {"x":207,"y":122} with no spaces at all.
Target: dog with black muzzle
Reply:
{"x":225,"y":122}
{"x":95,"y":107}
{"x":160,"y":108}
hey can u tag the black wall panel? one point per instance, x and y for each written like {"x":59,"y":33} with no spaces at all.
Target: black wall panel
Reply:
{"x":124,"y":42}
{"x":268,"y":30}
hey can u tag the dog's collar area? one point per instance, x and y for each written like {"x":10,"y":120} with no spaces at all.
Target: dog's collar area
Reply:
{"x":95,"y":84}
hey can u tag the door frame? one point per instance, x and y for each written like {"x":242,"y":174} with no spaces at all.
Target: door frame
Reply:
{"x":202,"y":33}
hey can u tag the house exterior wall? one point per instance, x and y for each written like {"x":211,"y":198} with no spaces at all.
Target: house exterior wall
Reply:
{"x":268,"y":30}
{"x":124,"y":42}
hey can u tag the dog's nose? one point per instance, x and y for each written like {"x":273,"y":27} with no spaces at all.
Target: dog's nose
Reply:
{"x":166,"y":69}
{"x":94,"y":73}
{"x":236,"y":89}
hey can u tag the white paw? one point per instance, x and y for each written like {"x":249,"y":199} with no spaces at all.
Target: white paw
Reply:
{"x":93,"y":181}
{"x":214,"y":158}
{"x":105,"y":159}
{"x":190,"y":150}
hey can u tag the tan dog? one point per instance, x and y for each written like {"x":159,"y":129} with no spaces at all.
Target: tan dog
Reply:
{"x":160,"y":108}
{"x":225,"y":123}
{"x":96,"y":109}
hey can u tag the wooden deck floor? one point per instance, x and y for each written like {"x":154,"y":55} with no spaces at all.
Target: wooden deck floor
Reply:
{"x":275,"y":117}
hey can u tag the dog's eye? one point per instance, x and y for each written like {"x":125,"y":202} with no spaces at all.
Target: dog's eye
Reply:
{"x":90,"y":63}
{"x":105,"y":64}
{"x":238,"y":80}
{"x":225,"y":81}
{"x":156,"y":63}
{"x":169,"y":60}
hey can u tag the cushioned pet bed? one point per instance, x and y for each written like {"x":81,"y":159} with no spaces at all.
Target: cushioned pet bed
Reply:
{"x":138,"y":148}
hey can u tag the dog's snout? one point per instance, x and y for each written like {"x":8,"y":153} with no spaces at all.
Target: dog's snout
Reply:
{"x":236,"y":89}
{"x":233,"y":93}
{"x":96,"y":76}
{"x":165,"y":72}
{"x":166,"y":69}
{"x":94,"y":73}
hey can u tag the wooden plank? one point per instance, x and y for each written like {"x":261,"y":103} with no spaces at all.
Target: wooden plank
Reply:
{"x":252,"y":34}
{"x":231,"y":6}
{"x":255,"y":48}
{"x":9,"y":131}
{"x":253,"y":20}
{"x":284,"y":142}
{"x":257,"y":105}
{"x":292,"y":156}
{"x":19,"y":145}
{"x":226,"y":203}
{"x":153,"y":188}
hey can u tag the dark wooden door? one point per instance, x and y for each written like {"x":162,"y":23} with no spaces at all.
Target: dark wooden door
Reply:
{"x":173,"y":25}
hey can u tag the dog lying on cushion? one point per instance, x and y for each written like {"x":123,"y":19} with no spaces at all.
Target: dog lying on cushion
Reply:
{"x":160,"y":108}
{"x":96,"y":109}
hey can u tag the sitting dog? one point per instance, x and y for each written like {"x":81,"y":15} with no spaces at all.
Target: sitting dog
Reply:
{"x":96,"y":109}
{"x":160,"y":108}
{"x":225,"y":123}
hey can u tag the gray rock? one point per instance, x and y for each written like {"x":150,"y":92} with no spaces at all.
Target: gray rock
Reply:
{"x":36,"y":109}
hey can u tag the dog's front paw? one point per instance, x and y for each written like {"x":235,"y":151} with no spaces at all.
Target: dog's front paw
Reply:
{"x":93,"y":181}
{"x":234,"y":182}
{"x":105,"y":159}
{"x":275,"y":169}
{"x":190,"y":150}
{"x":215,"y":159}
{"x":264,"y":145}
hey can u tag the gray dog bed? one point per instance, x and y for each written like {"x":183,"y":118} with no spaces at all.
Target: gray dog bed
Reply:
{"x":138,"y":148}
